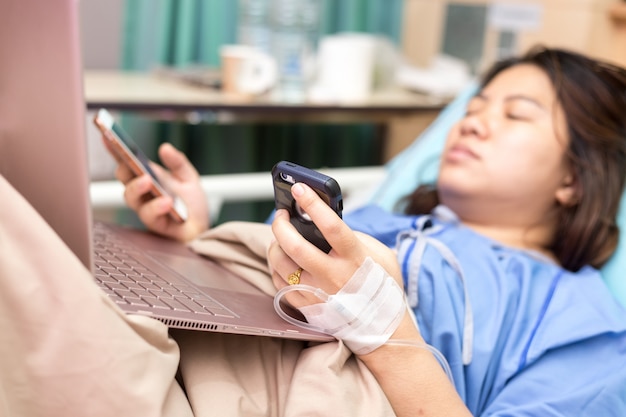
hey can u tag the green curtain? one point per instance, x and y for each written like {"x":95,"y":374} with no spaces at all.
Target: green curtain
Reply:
{"x":180,"y":33}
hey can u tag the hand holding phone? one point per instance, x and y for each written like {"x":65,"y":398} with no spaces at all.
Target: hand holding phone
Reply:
{"x":284,"y":175}
{"x":127,"y":152}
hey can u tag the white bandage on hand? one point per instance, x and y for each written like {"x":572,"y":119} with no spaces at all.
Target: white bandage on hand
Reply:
{"x":364,"y":313}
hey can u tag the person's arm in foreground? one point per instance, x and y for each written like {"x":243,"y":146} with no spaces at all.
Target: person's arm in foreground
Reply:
{"x":183,"y":179}
{"x":412,"y":378}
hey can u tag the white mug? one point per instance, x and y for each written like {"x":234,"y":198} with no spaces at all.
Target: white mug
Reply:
{"x":246,"y":70}
{"x":345,"y":67}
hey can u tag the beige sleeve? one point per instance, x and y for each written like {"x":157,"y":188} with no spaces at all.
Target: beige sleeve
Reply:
{"x":66,"y":349}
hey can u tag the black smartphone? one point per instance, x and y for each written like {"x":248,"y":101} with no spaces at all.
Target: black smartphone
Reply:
{"x":126,"y":151}
{"x":284,"y":175}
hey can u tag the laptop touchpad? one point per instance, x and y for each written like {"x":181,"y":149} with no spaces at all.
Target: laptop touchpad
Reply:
{"x":205,"y":273}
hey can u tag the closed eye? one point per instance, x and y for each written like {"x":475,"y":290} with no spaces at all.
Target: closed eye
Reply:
{"x":517,"y":116}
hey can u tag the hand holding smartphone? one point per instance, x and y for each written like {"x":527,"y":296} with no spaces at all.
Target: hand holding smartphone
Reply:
{"x":284,"y":175}
{"x":127,"y":152}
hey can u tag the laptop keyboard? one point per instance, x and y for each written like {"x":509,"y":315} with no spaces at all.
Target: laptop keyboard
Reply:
{"x":128,"y":281}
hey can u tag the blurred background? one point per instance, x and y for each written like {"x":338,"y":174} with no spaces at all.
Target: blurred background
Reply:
{"x":428,"y":48}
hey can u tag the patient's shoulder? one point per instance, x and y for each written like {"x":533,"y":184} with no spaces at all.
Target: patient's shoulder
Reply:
{"x":379,"y":223}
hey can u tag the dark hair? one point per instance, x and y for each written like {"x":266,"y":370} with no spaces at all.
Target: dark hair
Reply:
{"x":592,"y":94}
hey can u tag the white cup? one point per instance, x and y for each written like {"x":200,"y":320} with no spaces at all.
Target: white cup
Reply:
{"x":246,"y":71}
{"x":345,"y":67}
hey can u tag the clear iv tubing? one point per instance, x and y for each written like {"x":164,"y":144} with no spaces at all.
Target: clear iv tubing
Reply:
{"x":319,"y":293}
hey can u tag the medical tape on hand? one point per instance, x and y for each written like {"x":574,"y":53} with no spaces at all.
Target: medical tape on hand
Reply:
{"x":363,"y":314}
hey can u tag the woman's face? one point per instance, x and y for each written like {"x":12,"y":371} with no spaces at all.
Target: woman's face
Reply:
{"x":508,"y":151}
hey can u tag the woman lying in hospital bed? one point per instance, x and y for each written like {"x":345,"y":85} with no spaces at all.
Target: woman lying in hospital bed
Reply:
{"x":498,"y":262}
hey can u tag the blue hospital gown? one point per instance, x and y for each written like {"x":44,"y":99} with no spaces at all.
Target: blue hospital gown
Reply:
{"x":540,"y":340}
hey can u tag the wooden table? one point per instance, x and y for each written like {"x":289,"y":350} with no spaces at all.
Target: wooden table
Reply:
{"x":401,"y":114}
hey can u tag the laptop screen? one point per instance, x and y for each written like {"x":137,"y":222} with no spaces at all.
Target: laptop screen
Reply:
{"x":43,"y":151}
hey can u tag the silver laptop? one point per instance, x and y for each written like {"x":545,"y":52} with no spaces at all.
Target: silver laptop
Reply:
{"x":43,"y":154}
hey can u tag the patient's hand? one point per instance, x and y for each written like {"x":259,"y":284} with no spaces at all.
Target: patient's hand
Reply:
{"x":326,"y":271}
{"x":180,"y":177}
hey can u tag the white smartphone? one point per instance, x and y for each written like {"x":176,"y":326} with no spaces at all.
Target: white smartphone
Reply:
{"x":127,"y":151}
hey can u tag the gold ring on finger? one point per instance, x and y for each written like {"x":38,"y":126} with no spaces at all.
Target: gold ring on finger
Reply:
{"x":294,"y":278}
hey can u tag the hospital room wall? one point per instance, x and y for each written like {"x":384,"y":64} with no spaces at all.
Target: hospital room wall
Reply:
{"x":101,"y":33}
{"x":582,"y":25}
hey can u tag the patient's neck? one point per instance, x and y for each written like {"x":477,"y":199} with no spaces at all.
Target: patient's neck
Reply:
{"x":532,"y":239}
{"x":514,"y":230}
